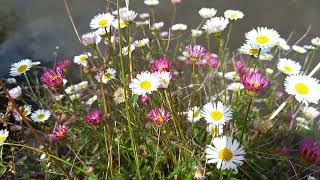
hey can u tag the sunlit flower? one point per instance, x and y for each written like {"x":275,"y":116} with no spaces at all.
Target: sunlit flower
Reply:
{"x":226,"y":152}
{"x":216,"y":113}
{"x":16,"y":92}
{"x":151,"y":2}
{"x":194,"y":114}
{"x":316,"y":41}
{"x":282,"y":43}
{"x":309,"y":47}
{"x":119,"y":96}
{"x":101,"y":21}
{"x":116,"y":24}
{"x":82,"y":59}
{"x":53,"y":78}
{"x":141,"y":43}
{"x":159,"y":116}
{"x":311,"y":112}
{"x":94,"y":117}
{"x":11,"y":81}
{"x":40,"y":115}
{"x":299,"y":49}
{"x":165,"y":78}
{"x":3,"y":136}
{"x":106,"y":76}
{"x":214,"y":130}
{"x":235,"y":86}
{"x":20,"y":67}
{"x":71,"y":89}
{"x":92,"y":100}
{"x":179,"y":27}
{"x":233,"y":14}
{"x":195,"y":52}
{"x":288,"y":66}
{"x":253,"y":49}
{"x":128,"y":15}
{"x":91,"y":39}
{"x":254,"y":81}
{"x":263,"y":37}
{"x":196,"y":33}
{"x":59,"y":132}
{"x":207,"y":13}
{"x":304,"y":88}
{"x":144,"y":15}
{"x":125,"y":50}
{"x":157,"y":26}
{"x":161,"y":64}
{"x":145,"y":83}
{"x":215,"y":25}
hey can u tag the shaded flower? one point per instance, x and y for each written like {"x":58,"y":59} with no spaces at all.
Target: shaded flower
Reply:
{"x":254,"y":81}
{"x":94,"y":117}
{"x":91,"y":39}
{"x":159,"y":116}
{"x":64,"y":64}
{"x":310,"y":150}
{"x":119,"y":96}
{"x":195,"y":52}
{"x":144,"y":99}
{"x":179,"y":27}
{"x":59,"y":132}
{"x":16,"y":92}
{"x":211,"y":59}
{"x":3,"y":136}
{"x":53,"y":78}
{"x":161,"y":64}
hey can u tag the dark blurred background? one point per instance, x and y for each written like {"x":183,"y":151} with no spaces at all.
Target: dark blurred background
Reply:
{"x":33,"y":28}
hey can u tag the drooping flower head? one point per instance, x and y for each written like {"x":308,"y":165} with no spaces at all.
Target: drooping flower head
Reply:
{"x":159,"y":116}
{"x":59,"y":132}
{"x":215,"y":25}
{"x":195,"y":52}
{"x":64,"y":64}
{"x":3,"y":136}
{"x":91,"y":39}
{"x":161,"y":64}
{"x":16,"y":92}
{"x":53,"y":78}
{"x":226,"y":152}
{"x":254,"y":81}
{"x":94,"y":117}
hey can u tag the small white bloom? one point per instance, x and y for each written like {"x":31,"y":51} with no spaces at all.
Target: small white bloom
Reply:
{"x":125,"y":50}
{"x":179,"y":27}
{"x":16,"y":92}
{"x":266,"y":57}
{"x":233,"y":14}
{"x":288,"y":66}
{"x":20,"y":67}
{"x":196,"y":33}
{"x":157,"y":26}
{"x":92,"y":100}
{"x":235,"y":86}
{"x":40,"y":115}
{"x":194,"y":114}
{"x":82,"y":59}
{"x":309,"y":47}
{"x":282,"y":43}
{"x":215,"y":25}
{"x":269,"y":71}
{"x":141,"y":43}
{"x":116,"y":24}
{"x":11,"y":81}
{"x":216,"y":113}
{"x":144,"y":15}
{"x":303,"y":123}
{"x":141,"y":23}
{"x":128,"y":15}
{"x":90,"y":39}
{"x":3,"y":136}
{"x":253,"y":49}
{"x":106,"y":76}
{"x":82,"y":85}
{"x":263,"y":37}
{"x":299,"y":49}
{"x":316,"y":41}
{"x":71,"y":89}
{"x":214,"y":130}
{"x":75,"y":96}
{"x":151,"y":2}
{"x":207,"y":13}
{"x":165,"y":78}
{"x":232,"y":75}
{"x":311,"y":112}
{"x":144,"y":83}
{"x":102,"y":21}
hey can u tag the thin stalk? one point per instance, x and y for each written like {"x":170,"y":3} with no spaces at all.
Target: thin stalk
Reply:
{"x":156,"y":159}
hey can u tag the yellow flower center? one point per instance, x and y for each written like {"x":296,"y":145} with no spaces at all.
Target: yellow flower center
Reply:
{"x":165,"y":82}
{"x":233,"y":16}
{"x":262,"y":39}
{"x":225,"y":154}
{"x":287,"y":69}
{"x":22,"y":68}
{"x":2,"y":139}
{"x":195,"y":114}
{"x":216,"y":115}
{"x":103,"y":22}
{"x":255,"y":84}
{"x":55,"y":77}
{"x":145,"y":85}
{"x":302,"y":88}
{"x":122,"y":24}
{"x":83,"y":58}
{"x":60,"y":133}
{"x":253,"y":51}
{"x":41,"y":116}
{"x":215,"y":131}
{"x":160,"y":118}
{"x":107,"y":76}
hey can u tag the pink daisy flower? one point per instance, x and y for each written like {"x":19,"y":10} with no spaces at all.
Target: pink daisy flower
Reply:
{"x":254,"y":81}
{"x":59,"y":132}
{"x":94,"y":117}
{"x":161,"y":64}
{"x":159,"y":116}
{"x":53,"y":78}
{"x":195,"y":52}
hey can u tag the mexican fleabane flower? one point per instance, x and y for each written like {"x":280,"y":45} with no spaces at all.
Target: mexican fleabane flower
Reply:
{"x":82,"y":85}
{"x":20,"y":67}
{"x":316,"y":41}
{"x":195,"y":52}
{"x":157,"y":26}
{"x":11,"y":81}
{"x":216,"y":113}
{"x":141,"y":43}
{"x":304,"y":88}
{"x":91,"y":39}
{"x":193,"y":114}
{"x":254,"y":82}
{"x":263,"y":37}
{"x":128,"y":16}
{"x":82,"y":59}
{"x":214,"y":130}
{"x":165,"y":78}
{"x":16,"y":92}
{"x":215,"y":24}
{"x":144,"y":15}
{"x":91,"y":100}
{"x":25,"y":110}
{"x":161,"y":64}
{"x":3,"y":136}
{"x":159,"y":116}
{"x":119,"y":23}
{"x":40,"y":115}
{"x":299,"y":49}
{"x":106,"y":76}
{"x":101,"y":21}
{"x":226,"y":152}
{"x":288,"y":66}
{"x":179,"y":27}
{"x":282,"y":43}
{"x":253,"y":49}
{"x":53,"y":78}
{"x":151,"y":2}
{"x":93,"y":117}
{"x":145,"y":83}
{"x":59,"y":132}
{"x":235,"y":86}
{"x":196,"y":33}
{"x":125,"y":50}
{"x":233,"y":14}
{"x":207,"y":13}
{"x":311,"y":112}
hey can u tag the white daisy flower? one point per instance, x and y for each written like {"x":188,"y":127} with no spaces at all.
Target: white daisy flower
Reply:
{"x":269,"y":71}
{"x":145,"y":83}
{"x":288,"y":66}
{"x":92,"y":100}
{"x":115,"y":24}
{"x":299,"y":49}
{"x":128,"y":15}
{"x":233,"y":14}
{"x":109,"y":74}
{"x":215,"y":25}
{"x":16,"y":92}
{"x":226,"y":152}
{"x":193,"y":114}
{"x":304,"y":88}
{"x":125,"y":50}
{"x":253,"y":49}
{"x":235,"y":86}
{"x":101,"y":21}
{"x":141,"y":43}
{"x":151,"y":2}
{"x":316,"y":41}
{"x":71,"y":89}
{"x":231,"y":75}
{"x":11,"y":81}
{"x":282,"y":43}
{"x":157,"y":26}
{"x":165,"y":78}
{"x":40,"y":115}
{"x":3,"y":136}
{"x":102,"y":31}
{"x":263,"y":37}
{"x":82,"y":59}
{"x":82,"y":85}
{"x":179,"y":27}
{"x":266,"y":57}
{"x":144,"y":15}
{"x":311,"y":112}
{"x":196,"y":33}
{"x":207,"y":13}
{"x":216,"y":113}
{"x":20,"y":67}
{"x":215,"y":130}
{"x":309,"y":47}
{"x":90,"y":39}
